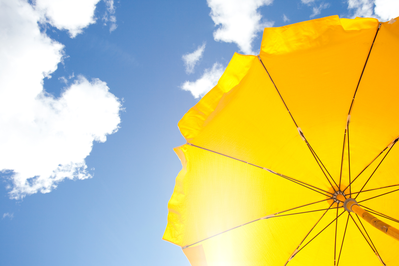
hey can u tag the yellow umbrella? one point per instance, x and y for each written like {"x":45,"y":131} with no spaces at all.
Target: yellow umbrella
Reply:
{"x":284,"y":140}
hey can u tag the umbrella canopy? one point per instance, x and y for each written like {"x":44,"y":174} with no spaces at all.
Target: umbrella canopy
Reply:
{"x":283,"y":140}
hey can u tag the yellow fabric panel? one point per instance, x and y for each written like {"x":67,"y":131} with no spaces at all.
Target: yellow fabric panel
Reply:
{"x":174,"y":229}
{"x":214,"y":193}
{"x":251,"y":123}
{"x":192,"y":122}
{"x":317,"y":73}
{"x":312,"y":34}
{"x":196,"y":255}
{"x":375,"y":120}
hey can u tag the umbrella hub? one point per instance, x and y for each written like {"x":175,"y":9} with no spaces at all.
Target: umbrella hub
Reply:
{"x":339,"y":197}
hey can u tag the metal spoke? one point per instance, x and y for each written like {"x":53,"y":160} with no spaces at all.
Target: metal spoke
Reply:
{"x":390,"y":145}
{"x":335,"y":239}
{"x":326,"y":209}
{"x":386,"y":154}
{"x":364,"y":67}
{"x":364,"y":169}
{"x":371,"y":241}
{"x":372,"y":248}
{"x":305,"y":205}
{"x":343,"y":238}
{"x":311,"y":187}
{"x":297,"y":249}
{"x":321,"y":165}
{"x":316,"y":189}
{"x":351,"y":106}
{"x":321,"y":231}
{"x":349,"y":161}
{"x":259,"y":219}
{"x":389,"y":192}
{"x":362,"y":233}
{"x":342,"y":158}
{"x":372,"y":189}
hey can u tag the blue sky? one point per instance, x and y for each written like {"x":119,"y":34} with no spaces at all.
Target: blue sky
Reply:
{"x":90,"y":95}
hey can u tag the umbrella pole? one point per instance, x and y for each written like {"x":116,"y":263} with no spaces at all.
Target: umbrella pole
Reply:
{"x":351,"y":206}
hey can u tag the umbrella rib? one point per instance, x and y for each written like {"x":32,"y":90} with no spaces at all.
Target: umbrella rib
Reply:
{"x":297,"y":251}
{"x":389,"y":192}
{"x":371,"y":241}
{"x":386,"y":154}
{"x":299,"y":207}
{"x":302,"y":183}
{"x":335,"y":239}
{"x":305,"y":212}
{"x":322,"y":230}
{"x":316,"y":157}
{"x":372,"y":189}
{"x":342,"y":157}
{"x":364,"y":68}
{"x":349,"y":162}
{"x":281,"y":97}
{"x":311,"y":187}
{"x":374,"y":251}
{"x":375,"y":158}
{"x":321,"y":165}
{"x":262,"y":218}
{"x":380,"y":214}
{"x":350,"y":111}
{"x":343,"y":238}
{"x":362,"y":233}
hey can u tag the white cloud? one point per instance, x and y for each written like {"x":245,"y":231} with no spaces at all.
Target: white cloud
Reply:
{"x":9,"y":215}
{"x":362,"y":8}
{"x":190,"y":60}
{"x":63,"y":80}
{"x":238,"y":21}
{"x":204,"y":84}
{"x":317,"y":9}
{"x":44,"y":140}
{"x":307,"y":2}
{"x":110,"y":15}
{"x":285,"y":18}
{"x":384,"y":10}
{"x":387,"y":9}
{"x":70,"y":15}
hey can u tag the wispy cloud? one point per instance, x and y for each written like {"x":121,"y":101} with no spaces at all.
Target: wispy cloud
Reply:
{"x":109,"y":15}
{"x":190,"y":60}
{"x":317,"y":9}
{"x":381,"y":9}
{"x":45,"y":140}
{"x":63,"y":80}
{"x":70,"y":15}
{"x":204,"y":84}
{"x":8,"y":215}
{"x":238,"y":21}
{"x":361,"y":8}
{"x":306,"y":2}
{"x":285,"y":18}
